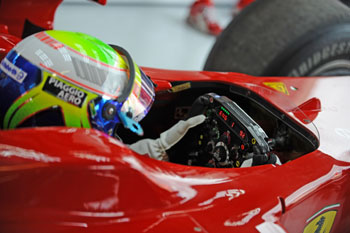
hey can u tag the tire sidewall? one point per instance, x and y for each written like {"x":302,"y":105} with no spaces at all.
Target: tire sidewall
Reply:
{"x":311,"y":52}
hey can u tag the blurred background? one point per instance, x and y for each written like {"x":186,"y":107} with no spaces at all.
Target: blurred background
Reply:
{"x":154,"y":32}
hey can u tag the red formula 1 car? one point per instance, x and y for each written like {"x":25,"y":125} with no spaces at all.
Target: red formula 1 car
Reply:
{"x":61,"y":179}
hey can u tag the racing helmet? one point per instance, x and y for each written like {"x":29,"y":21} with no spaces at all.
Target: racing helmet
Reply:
{"x":72,"y":79}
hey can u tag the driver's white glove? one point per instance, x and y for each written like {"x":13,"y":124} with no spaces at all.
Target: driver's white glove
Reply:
{"x":156,"y":148}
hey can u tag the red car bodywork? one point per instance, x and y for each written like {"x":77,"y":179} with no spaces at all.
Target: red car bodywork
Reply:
{"x":79,"y":180}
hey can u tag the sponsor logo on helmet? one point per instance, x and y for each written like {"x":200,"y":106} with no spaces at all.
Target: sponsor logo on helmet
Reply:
{"x":65,"y":92}
{"x":12,"y":70}
{"x":43,"y":37}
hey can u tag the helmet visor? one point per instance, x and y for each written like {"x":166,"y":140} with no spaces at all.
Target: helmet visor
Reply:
{"x":141,"y":98}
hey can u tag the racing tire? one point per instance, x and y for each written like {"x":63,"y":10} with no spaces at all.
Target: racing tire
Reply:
{"x":285,"y":38}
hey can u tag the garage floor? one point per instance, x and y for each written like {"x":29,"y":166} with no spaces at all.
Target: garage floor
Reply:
{"x":155,"y":34}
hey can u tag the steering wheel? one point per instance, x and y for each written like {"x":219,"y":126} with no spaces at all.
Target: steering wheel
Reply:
{"x":228,"y":136}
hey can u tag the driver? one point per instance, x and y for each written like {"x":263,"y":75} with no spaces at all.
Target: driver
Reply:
{"x":72,"y":79}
